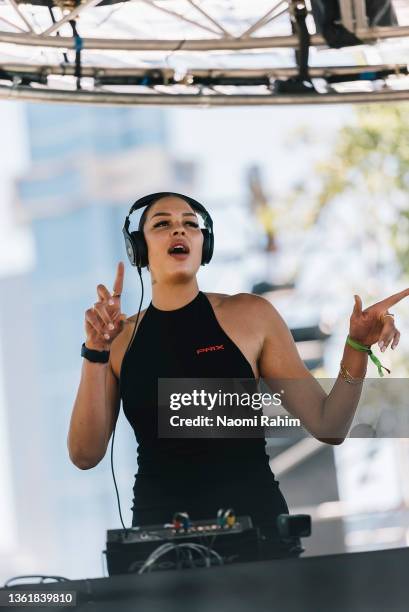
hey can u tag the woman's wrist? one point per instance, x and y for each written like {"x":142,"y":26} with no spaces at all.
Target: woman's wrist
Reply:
{"x":355,"y":362}
{"x":362,"y":349}
{"x":97,"y":346}
{"x":346,"y":375}
{"x":361,"y":342}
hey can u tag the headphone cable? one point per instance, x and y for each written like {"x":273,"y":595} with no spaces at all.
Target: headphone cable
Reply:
{"x":119,"y":388}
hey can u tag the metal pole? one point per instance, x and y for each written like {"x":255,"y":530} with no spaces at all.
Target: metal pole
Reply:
{"x":179,"y":16}
{"x":360,"y":14}
{"x":210,"y":18}
{"x":169,"y":73}
{"x":347,"y":15}
{"x":217,"y":44}
{"x":16,"y":7}
{"x":72,"y":15}
{"x":260,"y":22}
{"x":218,"y":100}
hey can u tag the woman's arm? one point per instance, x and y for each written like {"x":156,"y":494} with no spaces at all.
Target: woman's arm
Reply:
{"x":94,"y":412}
{"x":326,"y":417}
{"x":96,"y":405}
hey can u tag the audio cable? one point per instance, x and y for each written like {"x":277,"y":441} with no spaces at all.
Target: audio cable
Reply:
{"x":119,"y":408}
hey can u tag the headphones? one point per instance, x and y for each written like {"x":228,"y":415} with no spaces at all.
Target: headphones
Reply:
{"x":135,"y":243}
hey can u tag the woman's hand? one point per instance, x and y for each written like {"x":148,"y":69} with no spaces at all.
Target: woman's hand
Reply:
{"x":104,"y":321}
{"x":371,"y":325}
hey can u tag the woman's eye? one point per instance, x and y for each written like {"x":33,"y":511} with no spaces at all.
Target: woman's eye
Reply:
{"x":188,"y":222}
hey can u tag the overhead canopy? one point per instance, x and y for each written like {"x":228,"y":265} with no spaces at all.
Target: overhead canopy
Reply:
{"x":210,"y":52}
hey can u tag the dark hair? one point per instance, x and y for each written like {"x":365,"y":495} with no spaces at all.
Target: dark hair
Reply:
{"x":142,"y":220}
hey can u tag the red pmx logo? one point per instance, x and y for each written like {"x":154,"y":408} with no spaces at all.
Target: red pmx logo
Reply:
{"x":205,"y":349}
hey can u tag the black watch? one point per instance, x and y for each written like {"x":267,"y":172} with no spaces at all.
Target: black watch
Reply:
{"x":93,"y":355}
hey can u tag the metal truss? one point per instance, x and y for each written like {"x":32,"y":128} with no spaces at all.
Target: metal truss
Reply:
{"x":114,"y":61}
{"x":205,"y":100}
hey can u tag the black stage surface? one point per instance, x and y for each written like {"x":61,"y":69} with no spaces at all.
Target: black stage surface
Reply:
{"x":364,"y":582}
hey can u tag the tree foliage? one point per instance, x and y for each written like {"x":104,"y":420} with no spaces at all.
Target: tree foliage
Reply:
{"x":370,"y":159}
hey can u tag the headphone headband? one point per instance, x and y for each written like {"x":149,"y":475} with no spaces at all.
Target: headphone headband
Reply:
{"x":148,"y":199}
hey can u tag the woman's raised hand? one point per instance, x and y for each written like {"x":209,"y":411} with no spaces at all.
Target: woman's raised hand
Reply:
{"x":104,"y":321}
{"x":375,"y":323}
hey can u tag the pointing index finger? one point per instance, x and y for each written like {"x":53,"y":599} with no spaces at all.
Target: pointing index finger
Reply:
{"x":393,"y":299}
{"x":119,"y":280}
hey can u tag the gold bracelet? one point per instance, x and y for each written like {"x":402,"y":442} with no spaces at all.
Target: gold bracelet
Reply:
{"x":348,"y":377}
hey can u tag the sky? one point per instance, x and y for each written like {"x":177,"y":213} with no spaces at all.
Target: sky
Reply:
{"x":16,"y":245}
{"x":13,"y":257}
{"x":238,"y":137}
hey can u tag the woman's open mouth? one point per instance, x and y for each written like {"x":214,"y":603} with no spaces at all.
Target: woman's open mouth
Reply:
{"x":179,"y":252}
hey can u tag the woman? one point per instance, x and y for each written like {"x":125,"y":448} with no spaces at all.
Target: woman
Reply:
{"x":200,"y":476}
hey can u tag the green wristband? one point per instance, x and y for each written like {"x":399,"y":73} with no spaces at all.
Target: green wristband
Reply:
{"x":365,"y":349}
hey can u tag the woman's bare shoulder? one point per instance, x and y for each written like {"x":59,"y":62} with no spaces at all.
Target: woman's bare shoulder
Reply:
{"x":236,"y":300}
{"x":128,"y":327}
{"x":133,"y":318}
{"x":120,"y":343}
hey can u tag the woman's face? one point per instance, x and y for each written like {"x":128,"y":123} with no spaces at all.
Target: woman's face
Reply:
{"x":169,"y":220}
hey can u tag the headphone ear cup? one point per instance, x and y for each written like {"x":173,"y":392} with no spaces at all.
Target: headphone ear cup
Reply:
{"x":129,"y":245}
{"x":140,"y":249}
{"x":208,"y":243}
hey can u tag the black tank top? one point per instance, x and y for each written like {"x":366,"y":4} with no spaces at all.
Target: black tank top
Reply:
{"x":171,"y":469}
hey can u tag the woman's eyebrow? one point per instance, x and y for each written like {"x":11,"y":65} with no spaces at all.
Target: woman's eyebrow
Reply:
{"x":169,"y":214}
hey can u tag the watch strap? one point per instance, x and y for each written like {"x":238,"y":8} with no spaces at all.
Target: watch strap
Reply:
{"x":93,"y":355}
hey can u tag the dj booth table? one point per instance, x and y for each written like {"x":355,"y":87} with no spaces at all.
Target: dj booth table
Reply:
{"x":354,"y":582}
